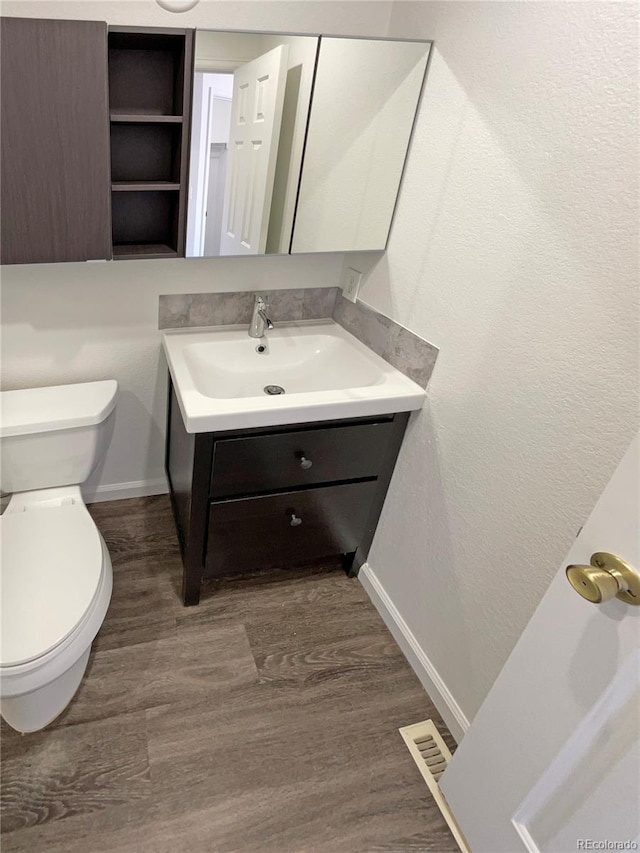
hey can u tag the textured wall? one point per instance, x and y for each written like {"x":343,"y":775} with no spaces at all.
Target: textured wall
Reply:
{"x":514,"y":250}
{"x":74,"y":322}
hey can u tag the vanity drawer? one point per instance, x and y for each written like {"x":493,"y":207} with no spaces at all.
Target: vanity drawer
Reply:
{"x":287,"y":529}
{"x":242,"y":466}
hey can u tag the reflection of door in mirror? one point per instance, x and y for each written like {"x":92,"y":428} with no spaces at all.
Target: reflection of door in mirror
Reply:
{"x":220,"y":112}
{"x":250,"y":108}
{"x":209,"y":137}
{"x":256,"y":114}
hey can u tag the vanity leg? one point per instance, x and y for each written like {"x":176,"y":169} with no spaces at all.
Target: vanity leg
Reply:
{"x":190,"y":590}
{"x":349,"y":564}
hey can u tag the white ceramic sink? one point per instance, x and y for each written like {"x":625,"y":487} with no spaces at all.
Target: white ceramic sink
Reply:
{"x":220,"y":378}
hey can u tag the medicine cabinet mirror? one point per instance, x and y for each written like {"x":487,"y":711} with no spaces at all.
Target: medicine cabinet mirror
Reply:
{"x":298,"y":142}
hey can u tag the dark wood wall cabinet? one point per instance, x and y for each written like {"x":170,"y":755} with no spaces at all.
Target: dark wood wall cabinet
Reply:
{"x":54,"y":141}
{"x":94,"y":140}
{"x":277,"y":496}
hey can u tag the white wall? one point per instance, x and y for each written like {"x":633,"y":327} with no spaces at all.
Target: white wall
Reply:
{"x":73,"y":322}
{"x":514,"y":249}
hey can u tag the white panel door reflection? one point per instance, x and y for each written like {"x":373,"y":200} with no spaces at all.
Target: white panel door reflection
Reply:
{"x":256,"y":115}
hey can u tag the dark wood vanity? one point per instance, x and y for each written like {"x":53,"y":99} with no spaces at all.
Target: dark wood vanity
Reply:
{"x":277,"y":496}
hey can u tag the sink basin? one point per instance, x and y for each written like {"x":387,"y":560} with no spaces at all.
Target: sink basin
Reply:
{"x":306,"y":371}
{"x":230,"y":366}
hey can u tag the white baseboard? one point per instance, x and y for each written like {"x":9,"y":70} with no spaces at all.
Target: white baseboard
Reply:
{"x":122,"y":491}
{"x":429,"y":676}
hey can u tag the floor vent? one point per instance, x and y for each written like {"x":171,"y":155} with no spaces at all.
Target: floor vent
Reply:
{"x":431,"y":754}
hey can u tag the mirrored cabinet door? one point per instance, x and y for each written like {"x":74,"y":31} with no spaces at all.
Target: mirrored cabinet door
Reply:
{"x":298,"y":143}
{"x":365,"y":98}
{"x":251,"y":99}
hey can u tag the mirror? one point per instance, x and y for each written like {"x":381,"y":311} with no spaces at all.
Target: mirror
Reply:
{"x":365,"y":98}
{"x":285,"y":160}
{"x":251,"y":100}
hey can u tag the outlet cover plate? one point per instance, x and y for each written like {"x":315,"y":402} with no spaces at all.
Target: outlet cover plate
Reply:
{"x":351,"y":284}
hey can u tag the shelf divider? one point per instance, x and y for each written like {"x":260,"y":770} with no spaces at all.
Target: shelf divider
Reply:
{"x":144,"y":186}
{"x":125,"y":251}
{"x":141,"y":118}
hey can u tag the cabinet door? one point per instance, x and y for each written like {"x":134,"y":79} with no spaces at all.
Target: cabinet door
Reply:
{"x":242,"y":466}
{"x":54,"y":139}
{"x":286,"y":529}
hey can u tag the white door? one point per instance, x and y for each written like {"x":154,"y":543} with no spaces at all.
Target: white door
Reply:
{"x":256,"y":114}
{"x":215,"y":194}
{"x":552,"y":759}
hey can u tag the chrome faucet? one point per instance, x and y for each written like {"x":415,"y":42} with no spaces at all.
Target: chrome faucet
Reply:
{"x":259,"y":320}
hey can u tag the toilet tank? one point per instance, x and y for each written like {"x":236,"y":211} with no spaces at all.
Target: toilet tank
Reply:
{"x":54,"y":436}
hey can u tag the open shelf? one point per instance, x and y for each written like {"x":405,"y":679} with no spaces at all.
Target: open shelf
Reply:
{"x":148,"y":217}
{"x":145,"y":73}
{"x":145,"y":152}
{"x":150,"y":74}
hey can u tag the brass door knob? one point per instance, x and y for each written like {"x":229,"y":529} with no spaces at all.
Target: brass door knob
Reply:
{"x":607,"y":577}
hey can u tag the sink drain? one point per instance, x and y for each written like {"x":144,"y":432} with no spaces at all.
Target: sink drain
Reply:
{"x":274,"y":389}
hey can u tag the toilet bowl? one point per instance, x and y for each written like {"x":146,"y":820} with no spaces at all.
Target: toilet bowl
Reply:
{"x":55,"y":571}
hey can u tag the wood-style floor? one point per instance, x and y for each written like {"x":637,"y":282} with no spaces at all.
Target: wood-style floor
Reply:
{"x":263,"y":720}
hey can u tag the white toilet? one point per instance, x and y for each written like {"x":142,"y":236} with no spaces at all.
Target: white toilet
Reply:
{"x":55,"y":570}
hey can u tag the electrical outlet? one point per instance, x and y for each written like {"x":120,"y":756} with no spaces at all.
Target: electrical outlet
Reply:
{"x":351,"y":284}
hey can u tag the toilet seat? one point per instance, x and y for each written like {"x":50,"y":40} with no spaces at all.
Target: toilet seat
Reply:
{"x":52,"y":567}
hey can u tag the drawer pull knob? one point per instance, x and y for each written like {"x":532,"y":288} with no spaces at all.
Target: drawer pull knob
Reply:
{"x":305,"y":463}
{"x":295,"y":521}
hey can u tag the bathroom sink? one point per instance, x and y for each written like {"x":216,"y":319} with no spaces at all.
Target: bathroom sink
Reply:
{"x":299,"y":372}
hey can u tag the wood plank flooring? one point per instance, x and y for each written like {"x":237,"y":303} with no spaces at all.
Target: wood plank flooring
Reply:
{"x":263,"y":720}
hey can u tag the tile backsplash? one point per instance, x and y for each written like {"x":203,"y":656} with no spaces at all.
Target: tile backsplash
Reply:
{"x":228,"y":309}
{"x":404,"y":350}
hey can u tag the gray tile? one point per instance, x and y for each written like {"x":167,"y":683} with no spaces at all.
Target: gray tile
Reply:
{"x":232,"y":308}
{"x":173,"y":310}
{"x":411,"y":355}
{"x":366,"y":325}
{"x":404,"y":350}
{"x":319,"y":302}
{"x":286,"y":305}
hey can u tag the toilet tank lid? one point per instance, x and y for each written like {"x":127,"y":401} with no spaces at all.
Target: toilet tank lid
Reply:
{"x":56,"y":407}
